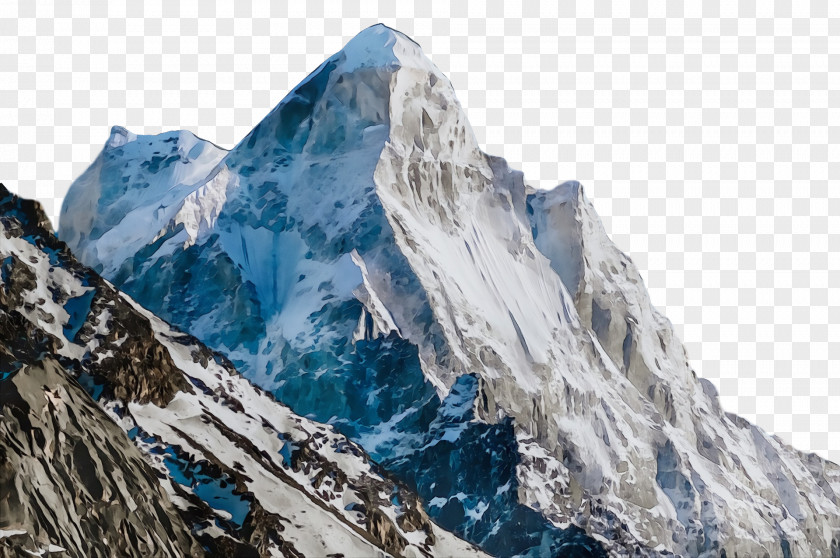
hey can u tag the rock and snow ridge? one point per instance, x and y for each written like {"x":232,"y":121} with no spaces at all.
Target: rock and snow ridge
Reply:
{"x":121,"y":435}
{"x":360,"y":257}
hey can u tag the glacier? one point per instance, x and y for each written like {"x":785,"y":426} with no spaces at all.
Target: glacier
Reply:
{"x":360,"y":257}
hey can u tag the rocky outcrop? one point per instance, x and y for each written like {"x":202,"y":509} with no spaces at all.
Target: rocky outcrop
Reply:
{"x":71,"y":482}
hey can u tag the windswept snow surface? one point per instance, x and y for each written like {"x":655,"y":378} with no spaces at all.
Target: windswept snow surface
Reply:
{"x":362,"y":259}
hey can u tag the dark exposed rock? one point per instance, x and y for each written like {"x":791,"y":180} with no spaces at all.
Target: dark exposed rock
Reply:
{"x":131,"y":347}
{"x":70,"y":477}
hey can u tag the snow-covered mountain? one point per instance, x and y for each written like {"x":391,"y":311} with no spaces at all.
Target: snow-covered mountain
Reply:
{"x":122,"y":437}
{"x":359,"y":256}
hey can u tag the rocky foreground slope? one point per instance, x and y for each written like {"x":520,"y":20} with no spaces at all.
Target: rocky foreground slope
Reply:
{"x":358,"y":255}
{"x":122,"y":437}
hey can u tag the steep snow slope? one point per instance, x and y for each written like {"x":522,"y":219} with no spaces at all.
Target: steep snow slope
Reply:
{"x":247,"y":476}
{"x":373,"y":268}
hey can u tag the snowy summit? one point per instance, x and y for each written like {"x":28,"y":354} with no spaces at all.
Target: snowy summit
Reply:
{"x":490,"y":350}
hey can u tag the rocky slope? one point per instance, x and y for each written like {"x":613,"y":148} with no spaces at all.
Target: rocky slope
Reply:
{"x":72,"y":481}
{"x":360,"y":257}
{"x":121,"y":436}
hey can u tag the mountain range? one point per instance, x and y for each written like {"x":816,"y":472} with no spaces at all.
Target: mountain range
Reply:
{"x":356,"y":333}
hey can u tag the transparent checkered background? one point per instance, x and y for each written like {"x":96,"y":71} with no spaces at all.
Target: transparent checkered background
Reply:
{"x":708,"y":136}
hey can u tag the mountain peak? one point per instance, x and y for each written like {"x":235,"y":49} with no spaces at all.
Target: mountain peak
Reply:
{"x":119,"y":136}
{"x":347,"y":99}
{"x":29,"y":212}
{"x":359,"y":256}
{"x":379,"y":45}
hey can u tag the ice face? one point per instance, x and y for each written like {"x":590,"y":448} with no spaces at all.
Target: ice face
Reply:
{"x":360,"y":257}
